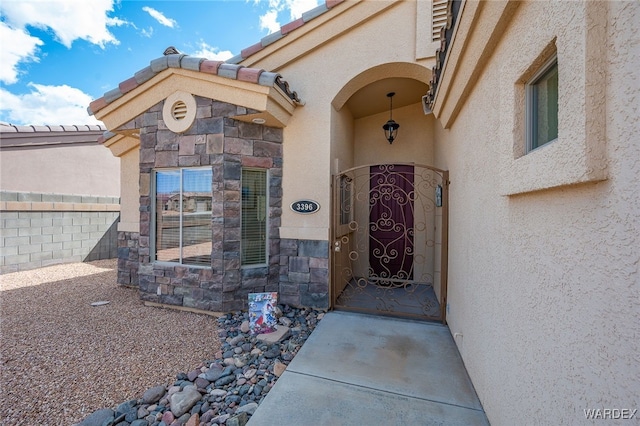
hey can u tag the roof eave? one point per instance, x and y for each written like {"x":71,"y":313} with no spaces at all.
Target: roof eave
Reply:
{"x":270,"y":100}
{"x":120,"y":144}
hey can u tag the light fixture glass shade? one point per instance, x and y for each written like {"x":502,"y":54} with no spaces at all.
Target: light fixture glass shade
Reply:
{"x":391,"y":130}
{"x":391,"y":127}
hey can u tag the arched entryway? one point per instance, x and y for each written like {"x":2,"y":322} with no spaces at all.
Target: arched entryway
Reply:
{"x":390,"y":240}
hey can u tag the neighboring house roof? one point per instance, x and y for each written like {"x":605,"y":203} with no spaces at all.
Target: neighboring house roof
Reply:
{"x":206,"y":195}
{"x":12,"y":136}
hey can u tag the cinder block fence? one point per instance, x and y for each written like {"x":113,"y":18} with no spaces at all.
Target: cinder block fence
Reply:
{"x":44,"y":229}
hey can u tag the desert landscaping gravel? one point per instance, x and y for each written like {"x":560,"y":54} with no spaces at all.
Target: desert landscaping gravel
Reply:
{"x":63,"y":358}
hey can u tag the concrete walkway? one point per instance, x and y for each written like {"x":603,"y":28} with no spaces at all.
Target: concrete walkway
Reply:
{"x":359,"y":369}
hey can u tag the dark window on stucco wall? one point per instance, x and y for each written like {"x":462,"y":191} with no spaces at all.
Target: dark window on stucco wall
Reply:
{"x":542,"y":106}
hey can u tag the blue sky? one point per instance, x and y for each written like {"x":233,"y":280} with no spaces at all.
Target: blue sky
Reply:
{"x":56,"y":56}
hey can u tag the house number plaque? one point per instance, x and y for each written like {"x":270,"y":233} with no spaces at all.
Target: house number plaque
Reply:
{"x":305,"y":206}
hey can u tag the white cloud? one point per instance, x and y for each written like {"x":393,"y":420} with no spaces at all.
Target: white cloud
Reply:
{"x":68,"y":19}
{"x":296,"y":8}
{"x":18,"y":46}
{"x":146,"y":32}
{"x":117,"y":22}
{"x":158,"y":16}
{"x":269,"y":21}
{"x":46,"y":105}
{"x":211,"y":53}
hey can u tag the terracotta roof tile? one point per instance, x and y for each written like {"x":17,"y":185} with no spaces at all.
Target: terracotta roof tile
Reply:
{"x":252,"y":75}
{"x":159,"y":64}
{"x":287,"y":28}
{"x":105,"y":136}
{"x":128,"y":85}
{"x":229,"y":71}
{"x":97,"y":105}
{"x":144,"y":75}
{"x":268,"y":78}
{"x":251,"y":50}
{"x":314,"y":13}
{"x":210,"y":67}
{"x":271,"y":38}
{"x":174,"y":60}
{"x":112,"y":95}
{"x":332,"y":3}
{"x":234,"y":60}
{"x":190,"y":63}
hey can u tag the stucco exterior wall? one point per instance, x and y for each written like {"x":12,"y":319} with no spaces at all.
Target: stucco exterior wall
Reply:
{"x":414,"y":142}
{"x":130,"y":192}
{"x":46,"y":170}
{"x":543,"y":285}
{"x":342,"y":126}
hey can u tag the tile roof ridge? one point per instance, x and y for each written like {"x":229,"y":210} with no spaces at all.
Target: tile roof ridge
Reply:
{"x":285,"y":30}
{"x":173,"y":59}
{"x":48,"y":128}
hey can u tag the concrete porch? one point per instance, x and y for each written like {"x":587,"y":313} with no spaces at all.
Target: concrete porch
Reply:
{"x":359,"y":369}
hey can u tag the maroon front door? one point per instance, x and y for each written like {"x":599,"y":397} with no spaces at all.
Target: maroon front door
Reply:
{"x":391,"y":204}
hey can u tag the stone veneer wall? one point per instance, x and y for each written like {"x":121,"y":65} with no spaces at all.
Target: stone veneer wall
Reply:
{"x":128,"y":260}
{"x":304,"y":273}
{"x":46,"y":229}
{"x":226,"y":145}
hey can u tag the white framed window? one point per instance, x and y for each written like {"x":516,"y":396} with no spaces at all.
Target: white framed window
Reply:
{"x":253,"y":225}
{"x":182,"y":200}
{"x":541,"y":98}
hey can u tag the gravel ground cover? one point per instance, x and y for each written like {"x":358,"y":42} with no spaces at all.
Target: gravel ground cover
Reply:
{"x":222,"y":391}
{"x":62,"y":359}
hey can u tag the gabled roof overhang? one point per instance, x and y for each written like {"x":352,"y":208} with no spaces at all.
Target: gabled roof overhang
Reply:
{"x":265,"y":95}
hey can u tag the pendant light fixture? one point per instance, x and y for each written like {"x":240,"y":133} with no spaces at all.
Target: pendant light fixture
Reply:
{"x":391,"y":127}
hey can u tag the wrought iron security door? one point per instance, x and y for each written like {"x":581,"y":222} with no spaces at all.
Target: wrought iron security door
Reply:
{"x":390,"y":240}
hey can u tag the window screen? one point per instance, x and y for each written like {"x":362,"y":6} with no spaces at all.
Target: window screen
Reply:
{"x":183,"y":216}
{"x":254,"y":217}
